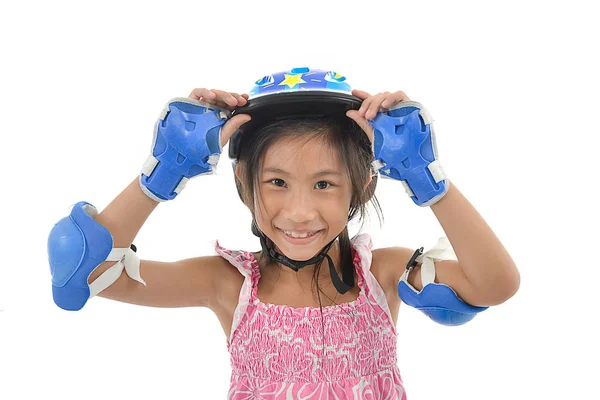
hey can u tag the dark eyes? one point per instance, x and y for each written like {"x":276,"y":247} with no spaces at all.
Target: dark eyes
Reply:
{"x":280,"y":182}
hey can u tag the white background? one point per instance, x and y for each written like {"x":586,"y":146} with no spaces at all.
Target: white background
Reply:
{"x":512,"y":86}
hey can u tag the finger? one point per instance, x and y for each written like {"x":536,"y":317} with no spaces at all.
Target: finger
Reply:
{"x":210,"y":97}
{"x":219,"y":104}
{"x":232,"y":125}
{"x":363,"y":123}
{"x":225,"y":97}
{"x":365,"y":106}
{"x":201,"y":92}
{"x":240,"y":100}
{"x":375,"y":105}
{"x":216,"y":104}
{"x":245,"y":96}
{"x":361,"y":94}
{"x":394,"y":98}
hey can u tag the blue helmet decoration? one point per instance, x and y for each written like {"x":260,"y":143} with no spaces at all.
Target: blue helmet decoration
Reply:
{"x":300,"y":79}
{"x":299,"y":92}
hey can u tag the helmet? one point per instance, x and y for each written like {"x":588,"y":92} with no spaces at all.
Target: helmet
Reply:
{"x":299,"y":92}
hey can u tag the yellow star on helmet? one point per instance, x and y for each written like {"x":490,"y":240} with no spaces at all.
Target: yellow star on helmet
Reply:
{"x":292,"y":80}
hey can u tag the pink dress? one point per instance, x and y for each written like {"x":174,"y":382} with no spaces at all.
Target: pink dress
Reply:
{"x":278,"y":352}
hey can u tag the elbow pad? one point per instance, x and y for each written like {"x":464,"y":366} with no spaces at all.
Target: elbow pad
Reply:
{"x":77,"y":244}
{"x":438,"y":301}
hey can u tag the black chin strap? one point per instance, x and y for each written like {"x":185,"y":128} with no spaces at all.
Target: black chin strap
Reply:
{"x":341,"y":286}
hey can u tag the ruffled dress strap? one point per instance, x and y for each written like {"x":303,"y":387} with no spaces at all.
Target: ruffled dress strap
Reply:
{"x":244,"y":262}
{"x":363,"y":245}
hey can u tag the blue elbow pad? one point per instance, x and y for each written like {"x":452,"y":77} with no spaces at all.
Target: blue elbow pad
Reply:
{"x":77,"y":244}
{"x":438,"y":301}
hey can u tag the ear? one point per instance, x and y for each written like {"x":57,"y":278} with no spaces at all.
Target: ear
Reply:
{"x":238,"y":172}
{"x":239,"y":185}
{"x":368,"y":182}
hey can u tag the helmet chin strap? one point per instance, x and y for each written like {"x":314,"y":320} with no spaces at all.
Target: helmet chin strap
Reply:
{"x":269,"y":248}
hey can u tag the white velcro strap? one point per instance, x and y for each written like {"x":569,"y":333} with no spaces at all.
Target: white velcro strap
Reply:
{"x":149,"y":165}
{"x":181,"y":185}
{"x":407,"y":189}
{"x":377,"y":165}
{"x":128,"y":260}
{"x":441,"y":251}
{"x":437,"y":171}
{"x":213,"y":159}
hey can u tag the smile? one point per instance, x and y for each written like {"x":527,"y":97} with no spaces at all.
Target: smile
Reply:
{"x":299,"y":239}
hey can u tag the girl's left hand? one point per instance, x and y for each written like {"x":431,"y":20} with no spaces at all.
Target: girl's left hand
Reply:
{"x":370,"y":107}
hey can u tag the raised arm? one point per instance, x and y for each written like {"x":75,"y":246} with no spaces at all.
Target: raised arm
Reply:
{"x":89,"y":251}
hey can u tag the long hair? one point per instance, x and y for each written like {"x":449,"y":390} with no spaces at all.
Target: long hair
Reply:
{"x":355,"y":154}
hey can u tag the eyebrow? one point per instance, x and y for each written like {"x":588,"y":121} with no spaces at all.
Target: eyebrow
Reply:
{"x":320,"y":173}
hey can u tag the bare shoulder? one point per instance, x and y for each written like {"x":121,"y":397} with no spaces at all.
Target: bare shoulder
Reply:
{"x":228,"y":286}
{"x":388,"y":265}
{"x":228,"y":282}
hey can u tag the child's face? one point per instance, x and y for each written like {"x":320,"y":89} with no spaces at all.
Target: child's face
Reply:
{"x":295,"y":198}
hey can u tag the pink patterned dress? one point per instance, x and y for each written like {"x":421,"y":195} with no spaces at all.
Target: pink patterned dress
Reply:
{"x":278,"y":352}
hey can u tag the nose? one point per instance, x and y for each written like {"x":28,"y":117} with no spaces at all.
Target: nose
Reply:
{"x":299,"y":207}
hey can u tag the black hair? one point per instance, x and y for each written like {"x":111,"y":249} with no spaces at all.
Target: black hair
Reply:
{"x":355,"y":154}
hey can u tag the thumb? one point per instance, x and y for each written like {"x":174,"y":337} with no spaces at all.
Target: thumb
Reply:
{"x":232,"y":125}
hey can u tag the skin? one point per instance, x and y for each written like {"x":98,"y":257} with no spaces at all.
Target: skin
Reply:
{"x":300,"y":203}
{"x":297,"y":199}
{"x":484,"y":273}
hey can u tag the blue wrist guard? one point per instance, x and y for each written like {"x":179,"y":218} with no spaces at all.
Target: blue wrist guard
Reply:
{"x":405,"y":150}
{"x":186,"y":144}
{"x":438,"y":301}
{"x":77,"y":244}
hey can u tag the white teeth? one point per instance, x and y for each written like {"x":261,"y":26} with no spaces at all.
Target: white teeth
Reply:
{"x":299,"y":235}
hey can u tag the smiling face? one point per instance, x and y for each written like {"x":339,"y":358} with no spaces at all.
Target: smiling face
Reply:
{"x":305,"y":190}
{"x":280,"y":177}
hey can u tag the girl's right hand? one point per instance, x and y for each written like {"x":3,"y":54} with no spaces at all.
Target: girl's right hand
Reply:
{"x":228,"y":100}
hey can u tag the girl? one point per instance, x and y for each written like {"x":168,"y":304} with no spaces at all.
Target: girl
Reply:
{"x":294,"y":329}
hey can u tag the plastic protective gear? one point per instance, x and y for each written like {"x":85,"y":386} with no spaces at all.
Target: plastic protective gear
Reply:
{"x":299,"y":92}
{"x":186,"y":144}
{"x":438,"y":301}
{"x":77,"y":244}
{"x":405,"y":150}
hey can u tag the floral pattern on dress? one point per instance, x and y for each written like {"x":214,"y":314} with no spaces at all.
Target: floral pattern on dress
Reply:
{"x":280,"y":352}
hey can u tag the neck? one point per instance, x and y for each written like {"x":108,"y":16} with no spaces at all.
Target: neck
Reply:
{"x":285,"y":274}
